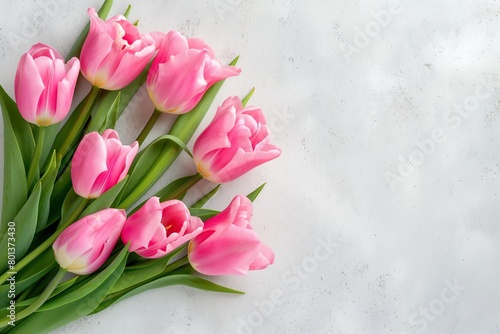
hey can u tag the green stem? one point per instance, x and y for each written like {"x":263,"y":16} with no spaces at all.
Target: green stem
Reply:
{"x":149,"y":125}
{"x":48,"y":242}
{"x":40,"y":300}
{"x":82,"y":117}
{"x":183,"y":189}
{"x":36,"y":156}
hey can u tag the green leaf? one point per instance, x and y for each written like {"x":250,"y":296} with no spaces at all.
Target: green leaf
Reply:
{"x":135,"y":275}
{"x":184,"y":127}
{"x":173,"y":279}
{"x":168,"y":190}
{"x":29,"y":275}
{"x":202,"y":201}
{"x":127,"y":12}
{"x":253,"y":195}
{"x":180,"y":191}
{"x":100,"y":114}
{"x":173,"y":186}
{"x":47,"y":183}
{"x":70,"y":206}
{"x":142,"y":163}
{"x":112,"y":117}
{"x":60,"y":288}
{"x":128,"y":94}
{"x":59,"y":193}
{"x":24,"y":229}
{"x":20,"y":127}
{"x":247,"y":98}
{"x":15,"y":187}
{"x":78,"y":293}
{"x":73,"y":304}
{"x":203,"y":214}
{"x":105,"y":200}
{"x":179,"y":143}
{"x":183,"y":279}
{"x":77,"y":47}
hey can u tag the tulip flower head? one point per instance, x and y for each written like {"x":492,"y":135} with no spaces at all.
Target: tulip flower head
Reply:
{"x":157,"y":229}
{"x":182,"y":72}
{"x":44,"y":85}
{"x":228,"y":244}
{"x":236,"y":141}
{"x":100,"y":162}
{"x":114,"y":53}
{"x":86,"y":244}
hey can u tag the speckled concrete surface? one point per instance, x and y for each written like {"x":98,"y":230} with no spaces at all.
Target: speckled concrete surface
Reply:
{"x":383,"y":209}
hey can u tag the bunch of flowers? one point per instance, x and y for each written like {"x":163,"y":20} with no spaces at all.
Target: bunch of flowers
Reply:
{"x":72,"y":193}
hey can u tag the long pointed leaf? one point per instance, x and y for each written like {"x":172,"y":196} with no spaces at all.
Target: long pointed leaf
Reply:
{"x":47,"y":183}
{"x":24,"y":229}
{"x":101,"y":112}
{"x":20,"y":127}
{"x":203,"y":214}
{"x":15,"y":187}
{"x":59,"y":193}
{"x":253,"y":195}
{"x":136,"y":275}
{"x":202,"y":201}
{"x":105,"y":200}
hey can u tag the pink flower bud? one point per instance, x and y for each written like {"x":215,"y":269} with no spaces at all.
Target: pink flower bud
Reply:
{"x":236,"y":141}
{"x":182,"y":72}
{"x":228,"y":245}
{"x":100,"y":162}
{"x":114,"y":53}
{"x":157,"y":228}
{"x":86,"y":244}
{"x":44,"y":85}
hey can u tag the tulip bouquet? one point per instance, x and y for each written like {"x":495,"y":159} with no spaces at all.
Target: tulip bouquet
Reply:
{"x":76,"y":233}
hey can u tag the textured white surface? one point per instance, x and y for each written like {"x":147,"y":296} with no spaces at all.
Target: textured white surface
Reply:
{"x":419,"y":254}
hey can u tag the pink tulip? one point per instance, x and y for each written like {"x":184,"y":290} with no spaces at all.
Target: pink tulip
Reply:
{"x":236,"y":141}
{"x":114,"y":53}
{"x":44,"y":85}
{"x":182,"y":72}
{"x":100,"y":162}
{"x":157,"y":228}
{"x":86,"y":244}
{"x":228,"y":245}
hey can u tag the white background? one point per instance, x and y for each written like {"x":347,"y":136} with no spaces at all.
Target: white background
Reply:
{"x":364,"y":97}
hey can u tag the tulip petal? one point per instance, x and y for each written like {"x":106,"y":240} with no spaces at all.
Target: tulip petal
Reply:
{"x":199,"y":44}
{"x":174,"y":85}
{"x":264,"y":259}
{"x":86,"y":244}
{"x":226,"y":252}
{"x":245,"y":161}
{"x":28,"y":87}
{"x":88,"y":163}
{"x":141,"y":226}
{"x":66,"y":88}
{"x":96,"y":46}
{"x":214,"y":137}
